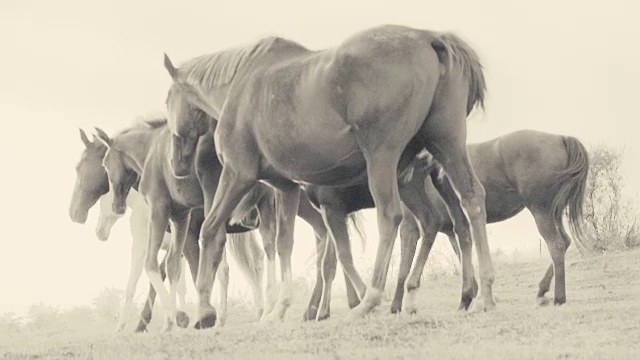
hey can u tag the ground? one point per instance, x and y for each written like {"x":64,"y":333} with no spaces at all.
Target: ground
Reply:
{"x":601,"y":320}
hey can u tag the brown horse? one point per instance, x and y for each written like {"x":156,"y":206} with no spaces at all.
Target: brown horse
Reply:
{"x":542,"y":172}
{"x":337,"y":117}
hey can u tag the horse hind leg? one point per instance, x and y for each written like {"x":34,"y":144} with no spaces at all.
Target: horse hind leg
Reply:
{"x":557,"y":245}
{"x":444,"y":136}
{"x":409,"y":236}
{"x":138,"y":253}
{"x":287,"y":201}
{"x":382,"y":163}
{"x":462,"y":246}
{"x":336,"y":221}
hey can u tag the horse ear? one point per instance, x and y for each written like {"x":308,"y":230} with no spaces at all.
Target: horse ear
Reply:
{"x":173,"y":72}
{"x":85,"y":139}
{"x":103,"y":137}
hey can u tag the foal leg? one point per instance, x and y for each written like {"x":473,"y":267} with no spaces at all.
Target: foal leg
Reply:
{"x":287,"y":201}
{"x":223,"y":278}
{"x":231,"y":188}
{"x":138,"y":253}
{"x":557,"y":245}
{"x":180,"y":227}
{"x":157,"y":226}
{"x":182,"y":286}
{"x":267,"y":228}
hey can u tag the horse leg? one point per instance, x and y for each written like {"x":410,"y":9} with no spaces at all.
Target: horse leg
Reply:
{"x":409,"y":235}
{"x":335,"y":219}
{"x":232,"y":187}
{"x":287,"y":201}
{"x":267,"y":228}
{"x":179,"y":228}
{"x":147,"y":311}
{"x":319,"y":307}
{"x":223,"y":278}
{"x":382,"y":164}
{"x":158,"y":226}
{"x":138,"y":252}
{"x":450,"y":151}
{"x":182,"y":285}
{"x":557,"y":245}
{"x":461,"y":229}
{"x":326,"y":265}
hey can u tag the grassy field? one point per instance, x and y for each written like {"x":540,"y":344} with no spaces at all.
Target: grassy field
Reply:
{"x":601,"y":320}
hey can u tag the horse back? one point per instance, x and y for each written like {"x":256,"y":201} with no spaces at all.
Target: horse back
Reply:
{"x":531,"y":161}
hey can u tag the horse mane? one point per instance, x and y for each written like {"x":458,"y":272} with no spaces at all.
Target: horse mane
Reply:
{"x":148,"y":121}
{"x":211,"y":71}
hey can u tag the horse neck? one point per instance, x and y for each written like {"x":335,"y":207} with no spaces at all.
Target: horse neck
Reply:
{"x":136,"y":145}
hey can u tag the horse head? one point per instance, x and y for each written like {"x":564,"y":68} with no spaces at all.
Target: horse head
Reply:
{"x":91,"y":179}
{"x":121,"y":176}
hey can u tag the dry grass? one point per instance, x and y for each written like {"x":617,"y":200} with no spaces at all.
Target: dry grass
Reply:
{"x":600,"y":321}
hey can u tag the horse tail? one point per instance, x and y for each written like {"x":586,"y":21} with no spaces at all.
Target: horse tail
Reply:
{"x":571,"y":185}
{"x":357,"y":222}
{"x":249,"y":255}
{"x":451,"y":50}
{"x":245,"y":213}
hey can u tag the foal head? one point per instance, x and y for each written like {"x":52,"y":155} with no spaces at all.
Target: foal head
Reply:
{"x":121,"y":176}
{"x":91,"y":179}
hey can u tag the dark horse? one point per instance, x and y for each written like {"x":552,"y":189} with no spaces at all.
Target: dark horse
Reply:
{"x":542,"y":172}
{"x":338,"y":117}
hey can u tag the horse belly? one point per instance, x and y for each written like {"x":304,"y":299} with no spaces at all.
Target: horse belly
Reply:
{"x":318,"y":148}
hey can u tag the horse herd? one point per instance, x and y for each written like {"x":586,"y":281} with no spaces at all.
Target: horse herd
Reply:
{"x":256,"y":135}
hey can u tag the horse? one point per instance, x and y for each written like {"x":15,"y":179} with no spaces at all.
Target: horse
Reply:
{"x":92,"y":184}
{"x":338,"y":117}
{"x":545,"y":173}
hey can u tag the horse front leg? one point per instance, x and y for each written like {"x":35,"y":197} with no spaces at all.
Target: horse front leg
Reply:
{"x":232,"y":187}
{"x":287,"y":201}
{"x":157,"y":228}
{"x":180,"y":226}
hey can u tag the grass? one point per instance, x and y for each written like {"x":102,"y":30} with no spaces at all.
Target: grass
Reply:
{"x":601,"y":320}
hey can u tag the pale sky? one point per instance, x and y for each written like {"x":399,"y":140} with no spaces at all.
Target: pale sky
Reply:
{"x":567,"y":67}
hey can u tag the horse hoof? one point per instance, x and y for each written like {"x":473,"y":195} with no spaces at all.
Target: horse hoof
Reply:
{"x":206,"y":321}
{"x":480,"y":305}
{"x":542,"y":301}
{"x":396,"y":308}
{"x":142,"y":327}
{"x":310,"y":314}
{"x":357,"y":313}
{"x":182,"y":319}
